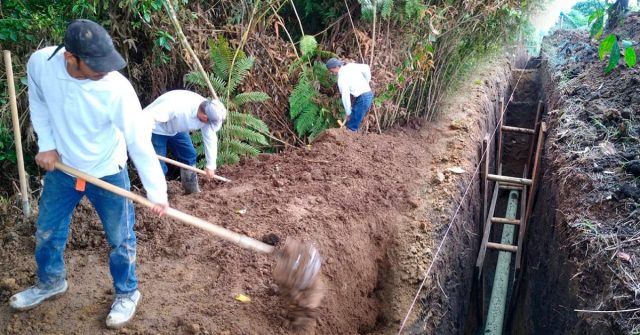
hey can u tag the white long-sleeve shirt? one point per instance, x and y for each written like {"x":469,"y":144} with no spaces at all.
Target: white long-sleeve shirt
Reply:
{"x":353,"y":79}
{"x":91,"y":124}
{"x":175,"y":112}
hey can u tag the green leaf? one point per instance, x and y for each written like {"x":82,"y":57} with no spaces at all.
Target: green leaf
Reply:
{"x":249,"y":97}
{"x":308,"y":44}
{"x":595,"y":14}
{"x":630,"y":57}
{"x":614,"y":58}
{"x":606,"y":45}
{"x":597,"y":27}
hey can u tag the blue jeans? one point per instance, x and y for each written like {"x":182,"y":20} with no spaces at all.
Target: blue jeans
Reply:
{"x":180,"y":145}
{"x":59,"y":199}
{"x":359,"y":110}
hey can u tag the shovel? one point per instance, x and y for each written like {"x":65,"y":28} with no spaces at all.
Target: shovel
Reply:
{"x":189,"y":167}
{"x":297,"y":265}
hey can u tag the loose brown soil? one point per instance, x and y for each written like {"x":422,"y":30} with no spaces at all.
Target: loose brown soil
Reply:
{"x":375,"y":206}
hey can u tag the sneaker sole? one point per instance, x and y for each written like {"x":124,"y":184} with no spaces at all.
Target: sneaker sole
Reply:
{"x":53,"y":297}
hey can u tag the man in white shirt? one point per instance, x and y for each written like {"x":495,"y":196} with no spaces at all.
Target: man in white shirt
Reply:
{"x":353,"y":81}
{"x":175,"y":113}
{"x":87,"y":115}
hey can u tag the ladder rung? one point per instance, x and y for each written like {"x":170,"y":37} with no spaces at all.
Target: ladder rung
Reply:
{"x":505,"y":221}
{"x":518,"y":130}
{"x":503,"y":247}
{"x":512,"y":180}
{"x":510,"y":187}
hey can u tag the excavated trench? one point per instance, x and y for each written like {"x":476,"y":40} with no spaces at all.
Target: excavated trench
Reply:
{"x":543,"y":283}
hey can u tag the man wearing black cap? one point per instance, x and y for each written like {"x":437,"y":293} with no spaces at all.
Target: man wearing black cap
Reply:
{"x":175,"y":113}
{"x":87,"y":116}
{"x":353,"y":80}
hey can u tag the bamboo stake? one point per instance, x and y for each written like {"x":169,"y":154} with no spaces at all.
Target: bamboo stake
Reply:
{"x":24,"y":193}
{"x":373,"y":46}
{"x":354,"y":31}
{"x":373,"y":31}
{"x":243,"y":40}
{"x":189,"y":167}
{"x":185,"y":44}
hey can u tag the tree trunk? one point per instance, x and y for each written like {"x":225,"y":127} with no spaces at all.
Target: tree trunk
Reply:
{"x":616,"y":14}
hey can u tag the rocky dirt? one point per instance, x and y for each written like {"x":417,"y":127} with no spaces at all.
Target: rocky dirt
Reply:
{"x":375,"y":206}
{"x":585,"y":252}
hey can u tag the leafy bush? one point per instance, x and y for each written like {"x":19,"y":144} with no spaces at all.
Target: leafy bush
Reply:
{"x":242,"y":133}
{"x":310,"y":110}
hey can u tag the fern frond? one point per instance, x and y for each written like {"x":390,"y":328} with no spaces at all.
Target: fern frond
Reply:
{"x":299,"y":63}
{"x":239,"y":148}
{"x":301,"y":97}
{"x":243,"y":134}
{"x":227,"y":157}
{"x":250,"y":97}
{"x":196,"y":78}
{"x":320,"y":124}
{"x":386,"y":8}
{"x":323,"y":75}
{"x":221,"y":56}
{"x":326,"y":54}
{"x":306,"y":120}
{"x":240,"y":70}
{"x":219,"y":84}
{"x":248,"y":120}
{"x":196,"y":139}
{"x":308,"y":44}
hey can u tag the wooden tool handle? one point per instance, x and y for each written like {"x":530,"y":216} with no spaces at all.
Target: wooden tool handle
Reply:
{"x":189,"y":167}
{"x":24,"y":192}
{"x":233,"y":237}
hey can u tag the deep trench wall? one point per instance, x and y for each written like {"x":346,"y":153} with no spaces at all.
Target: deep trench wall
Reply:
{"x":447,"y":309}
{"x":549,"y":293}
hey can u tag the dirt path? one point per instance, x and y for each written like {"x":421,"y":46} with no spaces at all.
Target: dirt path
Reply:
{"x":375,"y":205}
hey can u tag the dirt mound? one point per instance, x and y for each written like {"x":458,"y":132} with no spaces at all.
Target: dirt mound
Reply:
{"x":593,"y":140}
{"x":375,"y":206}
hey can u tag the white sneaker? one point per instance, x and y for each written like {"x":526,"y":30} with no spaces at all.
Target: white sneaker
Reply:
{"x":123,"y":310}
{"x":34,"y":295}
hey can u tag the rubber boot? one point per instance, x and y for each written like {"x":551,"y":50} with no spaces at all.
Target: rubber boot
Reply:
{"x":189,"y":181}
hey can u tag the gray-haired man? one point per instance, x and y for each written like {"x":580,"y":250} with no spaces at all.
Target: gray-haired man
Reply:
{"x":353,"y":81}
{"x":175,"y":113}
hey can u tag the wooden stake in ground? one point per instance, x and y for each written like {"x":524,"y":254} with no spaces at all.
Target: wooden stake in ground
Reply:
{"x":24,"y":193}
{"x":185,"y":44}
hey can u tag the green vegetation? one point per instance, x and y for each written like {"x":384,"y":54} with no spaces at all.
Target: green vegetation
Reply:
{"x":242,"y":133}
{"x":311,"y":111}
{"x":610,"y":44}
{"x":418,"y":51}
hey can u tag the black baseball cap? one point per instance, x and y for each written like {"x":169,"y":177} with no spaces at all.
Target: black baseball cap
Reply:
{"x":91,"y":43}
